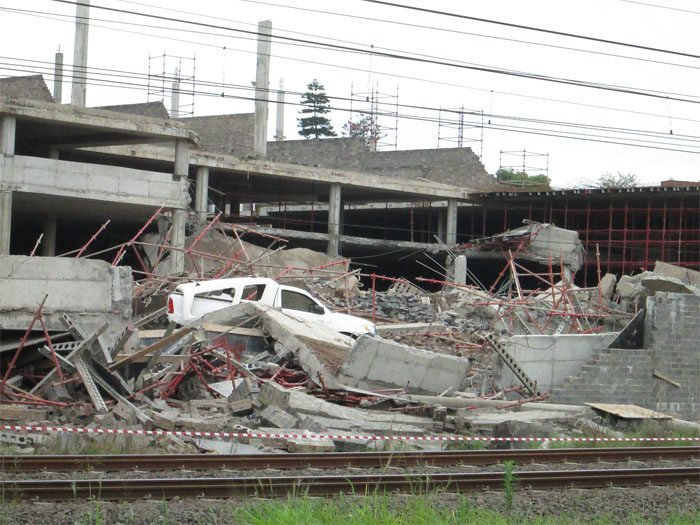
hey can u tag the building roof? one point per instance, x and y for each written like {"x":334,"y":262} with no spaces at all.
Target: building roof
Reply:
{"x":30,"y":87}
{"x":145,"y":109}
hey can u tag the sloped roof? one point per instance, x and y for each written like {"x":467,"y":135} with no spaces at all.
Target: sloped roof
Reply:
{"x":32,"y":87}
{"x":145,"y":109}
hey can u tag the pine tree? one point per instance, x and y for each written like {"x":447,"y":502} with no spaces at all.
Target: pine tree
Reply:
{"x":315,"y":104}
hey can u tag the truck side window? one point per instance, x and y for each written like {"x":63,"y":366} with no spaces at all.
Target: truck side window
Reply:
{"x":253,"y":292}
{"x":297,"y":301}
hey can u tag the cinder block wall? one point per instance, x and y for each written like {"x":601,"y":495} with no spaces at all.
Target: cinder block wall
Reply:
{"x":456,"y":166}
{"x":671,"y":348}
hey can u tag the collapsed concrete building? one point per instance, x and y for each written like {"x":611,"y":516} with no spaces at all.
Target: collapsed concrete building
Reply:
{"x":521,"y":313}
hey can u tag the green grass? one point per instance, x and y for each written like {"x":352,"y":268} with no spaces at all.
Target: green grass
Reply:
{"x":411,"y":510}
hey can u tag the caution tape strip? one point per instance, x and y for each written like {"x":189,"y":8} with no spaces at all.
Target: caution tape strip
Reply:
{"x":312,"y":436}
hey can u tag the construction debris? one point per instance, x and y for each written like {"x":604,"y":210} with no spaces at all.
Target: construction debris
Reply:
{"x":466,"y":359}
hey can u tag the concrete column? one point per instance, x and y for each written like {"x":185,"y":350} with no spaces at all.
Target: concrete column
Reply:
{"x":5,"y":221}
{"x":175,"y":96}
{"x":262,"y":83}
{"x":460,"y":266}
{"x":182,"y":159}
{"x":334,"y":218}
{"x":80,"y":53}
{"x":48,"y":241}
{"x":177,"y":235}
{"x":279,"y":135}
{"x":202,"y":193}
{"x":177,"y":240}
{"x":58,"y":78}
{"x":8,"y":125}
{"x":451,"y":223}
{"x":54,"y":154}
{"x":441,"y":226}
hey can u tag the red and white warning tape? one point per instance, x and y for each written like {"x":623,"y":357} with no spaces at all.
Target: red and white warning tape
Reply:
{"x":353,"y":437}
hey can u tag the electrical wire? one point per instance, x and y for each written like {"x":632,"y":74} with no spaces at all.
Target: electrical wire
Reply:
{"x":530,"y":97}
{"x":647,"y":4}
{"x":532,"y":76}
{"x":532,"y":28}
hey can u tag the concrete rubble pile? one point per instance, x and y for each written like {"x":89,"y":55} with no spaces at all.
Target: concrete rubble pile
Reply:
{"x":438,"y":365}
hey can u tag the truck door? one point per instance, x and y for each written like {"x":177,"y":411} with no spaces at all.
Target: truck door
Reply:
{"x":300,"y":305}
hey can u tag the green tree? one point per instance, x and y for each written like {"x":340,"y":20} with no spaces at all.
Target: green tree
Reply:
{"x":618,"y":180}
{"x":520,"y":178}
{"x":315,"y":104}
{"x":364,"y":126}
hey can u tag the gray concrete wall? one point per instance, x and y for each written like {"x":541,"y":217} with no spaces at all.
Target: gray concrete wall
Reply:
{"x":91,"y":181}
{"x":90,"y":291}
{"x":549,"y":359}
{"x":375,"y":362}
{"x":671,"y":348}
{"x":456,"y":166}
{"x":230,"y":134}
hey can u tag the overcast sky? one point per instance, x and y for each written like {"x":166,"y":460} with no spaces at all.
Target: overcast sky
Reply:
{"x":519,"y":113}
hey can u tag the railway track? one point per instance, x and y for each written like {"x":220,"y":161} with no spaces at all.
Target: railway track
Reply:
{"x":163,"y":489}
{"x":18,"y":464}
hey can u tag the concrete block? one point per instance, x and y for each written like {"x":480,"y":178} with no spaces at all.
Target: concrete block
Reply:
{"x":277,"y":417}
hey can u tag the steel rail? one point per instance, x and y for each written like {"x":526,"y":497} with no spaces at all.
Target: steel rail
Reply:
{"x":163,"y":489}
{"x":58,"y":463}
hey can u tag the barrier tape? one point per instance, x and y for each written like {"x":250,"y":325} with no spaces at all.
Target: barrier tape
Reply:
{"x":347,"y":437}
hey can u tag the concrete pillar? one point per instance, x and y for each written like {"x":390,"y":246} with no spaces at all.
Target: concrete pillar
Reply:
{"x":80,"y":53}
{"x":175,"y":96}
{"x":279,"y":135}
{"x":201,"y":197}
{"x":182,"y":159}
{"x":334,"y":218}
{"x":262,"y":83}
{"x":54,"y":154}
{"x":460,"y":266}
{"x":5,"y":221}
{"x":58,"y":78}
{"x":48,"y":241}
{"x":177,"y":240}
{"x":441,"y":226}
{"x":451,"y":222}
{"x":8,"y":125}
{"x":177,"y":235}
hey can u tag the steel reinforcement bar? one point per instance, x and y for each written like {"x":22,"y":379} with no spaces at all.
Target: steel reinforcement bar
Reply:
{"x":57,"y":463}
{"x":358,"y":484}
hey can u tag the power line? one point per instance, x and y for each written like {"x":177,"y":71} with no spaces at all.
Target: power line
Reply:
{"x":271,"y":92}
{"x":533,"y":28}
{"x":333,"y":65}
{"x":661,"y":6}
{"x":572,"y":135}
{"x":532,"y":76}
{"x":407,"y":24}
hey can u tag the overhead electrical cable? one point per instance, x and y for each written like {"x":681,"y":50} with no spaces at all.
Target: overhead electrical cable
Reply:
{"x":532,"y":28}
{"x":533,"y":76}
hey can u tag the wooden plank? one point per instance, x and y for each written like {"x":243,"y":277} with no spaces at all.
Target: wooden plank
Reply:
{"x":151,"y":348}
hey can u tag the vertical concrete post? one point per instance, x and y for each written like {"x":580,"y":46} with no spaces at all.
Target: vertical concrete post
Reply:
{"x":80,"y":53}
{"x":279,"y":135}
{"x":175,"y":96}
{"x":177,"y":235}
{"x":334,"y":218}
{"x":5,"y":221}
{"x":58,"y":78}
{"x":441,"y":226}
{"x":451,"y":226}
{"x":48,"y":241}
{"x":460,"y":266}
{"x":8,"y":125}
{"x":262,"y":83}
{"x":201,"y":196}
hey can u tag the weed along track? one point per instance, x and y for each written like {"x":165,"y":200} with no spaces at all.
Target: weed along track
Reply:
{"x":152,"y":462}
{"x":350,"y":473}
{"x":129,"y":489}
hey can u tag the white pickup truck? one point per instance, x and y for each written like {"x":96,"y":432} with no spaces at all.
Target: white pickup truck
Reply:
{"x":190,"y":301}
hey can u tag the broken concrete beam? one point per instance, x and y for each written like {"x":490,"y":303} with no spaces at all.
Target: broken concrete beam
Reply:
{"x":319,"y":350}
{"x":658,"y":283}
{"x":298,"y":403}
{"x":245,"y":389}
{"x":241,"y":407}
{"x":19,"y":413}
{"x":163,"y":420}
{"x":378,"y":363}
{"x":328,"y":425}
{"x":276,"y":417}
{"x":686,"y":275}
